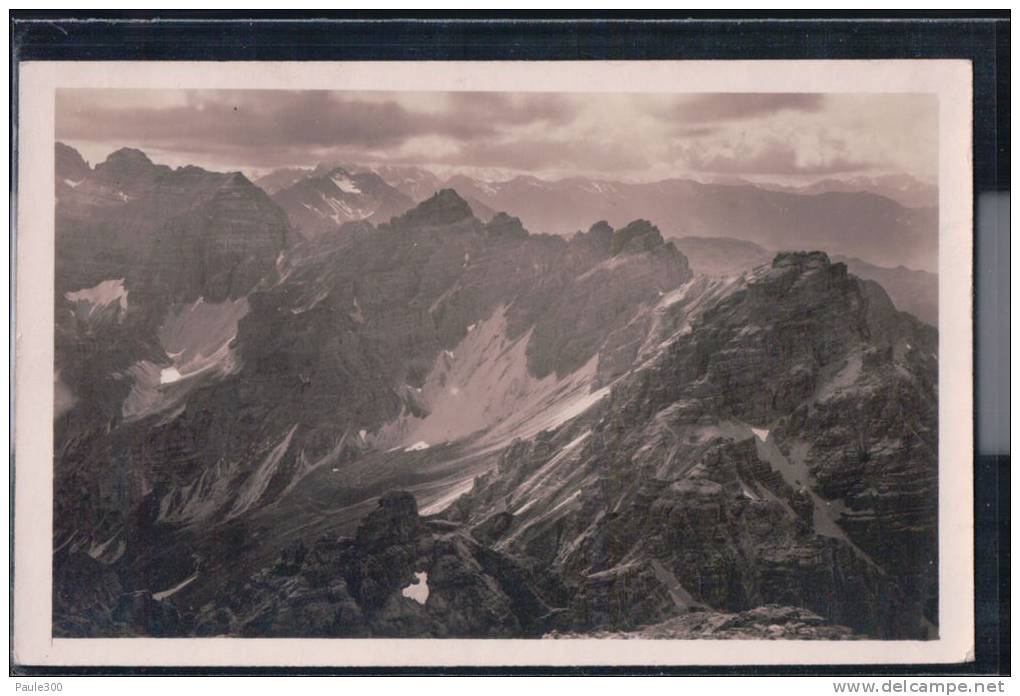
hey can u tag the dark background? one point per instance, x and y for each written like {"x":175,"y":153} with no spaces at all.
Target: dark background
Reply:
{"x":981,"y":37}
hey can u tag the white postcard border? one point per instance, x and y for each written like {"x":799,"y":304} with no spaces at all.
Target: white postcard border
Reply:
{"x":950,"y":80}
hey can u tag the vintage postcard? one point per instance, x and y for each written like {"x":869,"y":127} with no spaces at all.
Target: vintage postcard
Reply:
{"x":462,"y":364}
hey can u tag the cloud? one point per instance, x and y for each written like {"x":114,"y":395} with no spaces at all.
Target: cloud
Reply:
{"x":630,"y":136}
{"x":502,"y":107}
{"x":538,"y":155}
{"x":270,"y":128}
{"x":696,"y":131}
{"x":772,"y":157}
{"x":709,"y":108}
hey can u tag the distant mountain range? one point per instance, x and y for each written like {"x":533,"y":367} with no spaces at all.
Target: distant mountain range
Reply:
{"x":860,"y":224}
{"x":866,"y":218}
{"x":902,"y":188}
{"x":325,"y":197}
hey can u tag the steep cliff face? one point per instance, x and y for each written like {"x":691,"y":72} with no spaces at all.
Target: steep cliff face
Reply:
{"x":175,"y":234}
{"x":742,"y":466}
{"x":153,"y":267}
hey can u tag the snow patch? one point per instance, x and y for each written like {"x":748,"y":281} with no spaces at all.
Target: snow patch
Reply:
{"x":256,"y":484}
{"x":417,"y":447}
{"x":341,"y":210}
{"x":169,"y":375}
{"x":490,"y":372}
{"x":797,"y":474}
{"x":576,"y":407}
{"x":160,"y":596}
{"x":419,"y":589}
{"x":197,"y":338}
{"x":448,"y":498}
{"x":345,"y":183}
{"x":312,"y":302}
{"x":101,"y":295}
{"x":535,"y":482}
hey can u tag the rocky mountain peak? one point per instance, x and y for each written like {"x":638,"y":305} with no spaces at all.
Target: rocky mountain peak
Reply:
{"x":598,"y":238}
{"x":329,"y":197}
{"x":126,"y":158}
{"x":639,"y":235}
{"x":394,"y":522}
{"x":504,"y":226}
{"x":601,"y":229}
{"x":127,"y":169}
{"x":446,"y":207}
{"x":70,"y":165}
{"x":801,"y":259}
{"x":239,"y":182}
{"x":326,"y":168}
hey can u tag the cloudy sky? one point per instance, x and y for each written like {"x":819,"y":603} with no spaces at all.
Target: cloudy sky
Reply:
{"x":792,"y":138}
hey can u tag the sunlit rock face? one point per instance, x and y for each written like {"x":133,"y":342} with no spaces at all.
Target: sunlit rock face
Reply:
{"x":721,"y":475}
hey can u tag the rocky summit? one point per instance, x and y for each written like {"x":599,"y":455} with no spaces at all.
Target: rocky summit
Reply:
{"x":322,"y":201}
{"x":431,"y":425}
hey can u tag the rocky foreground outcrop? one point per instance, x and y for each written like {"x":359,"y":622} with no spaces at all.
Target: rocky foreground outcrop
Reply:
{"x":399,"y":576}
{"x":339,"y":587}
{"x":361,"y":586}
{"x":770,"y":622}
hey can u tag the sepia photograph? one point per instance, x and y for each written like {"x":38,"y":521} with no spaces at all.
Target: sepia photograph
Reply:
{"x":557,"y":365}
{"x":495,"y":365}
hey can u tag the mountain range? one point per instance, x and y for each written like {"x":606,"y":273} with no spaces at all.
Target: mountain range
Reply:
{"x":439,"y":425}
{"x":886,"y":221}
{"x":860,"y":224}
{"x":902,"y":188}
{"x":914,"y":291}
